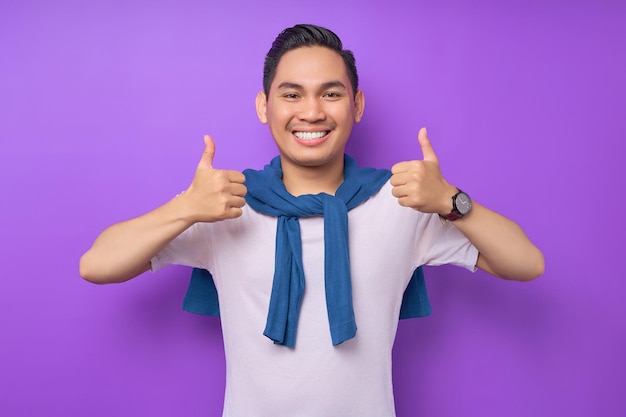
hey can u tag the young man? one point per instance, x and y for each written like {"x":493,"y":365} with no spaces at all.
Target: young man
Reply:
{"x":356,"y":235}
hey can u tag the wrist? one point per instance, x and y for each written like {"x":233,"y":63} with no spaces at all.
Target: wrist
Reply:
{"x":459,"y":205}
{"x":183,"y":205}
{"x":446,"y":205}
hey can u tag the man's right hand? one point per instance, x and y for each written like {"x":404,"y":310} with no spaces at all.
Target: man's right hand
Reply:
{"x":214,"y":194}
{"x":125,"y":249}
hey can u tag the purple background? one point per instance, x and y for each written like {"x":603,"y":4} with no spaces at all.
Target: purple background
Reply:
{"x":103,"y":106}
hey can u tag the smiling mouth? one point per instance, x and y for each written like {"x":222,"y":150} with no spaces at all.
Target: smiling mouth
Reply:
{"x":311,"y":135}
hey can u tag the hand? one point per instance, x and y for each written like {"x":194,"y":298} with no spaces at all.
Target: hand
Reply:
{"x":215,"y":194}
{"x":419,"y":184}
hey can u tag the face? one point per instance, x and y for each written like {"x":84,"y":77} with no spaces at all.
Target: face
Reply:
{"x":311,"y":108}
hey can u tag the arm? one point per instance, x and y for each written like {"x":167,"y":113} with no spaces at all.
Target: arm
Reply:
{"x":504,"y":249}
{"x":124,"y":250}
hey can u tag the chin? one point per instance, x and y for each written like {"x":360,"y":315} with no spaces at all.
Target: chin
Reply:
{"x":312,"y":160}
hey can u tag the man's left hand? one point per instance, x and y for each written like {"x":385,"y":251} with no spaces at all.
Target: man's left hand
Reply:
{"x":419,"y":184}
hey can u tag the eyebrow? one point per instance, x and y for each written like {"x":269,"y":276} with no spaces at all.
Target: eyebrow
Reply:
{"x":324,"y":86}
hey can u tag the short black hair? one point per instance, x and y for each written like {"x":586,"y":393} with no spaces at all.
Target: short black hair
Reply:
{"x":306,"y":35}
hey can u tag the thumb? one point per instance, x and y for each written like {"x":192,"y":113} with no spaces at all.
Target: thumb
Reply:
{"x":209,"y":152}
{"x":427,"y":149}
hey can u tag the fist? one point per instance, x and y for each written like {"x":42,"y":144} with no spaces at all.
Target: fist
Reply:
{"x":419,"y":184}
{"x":215,"y":194}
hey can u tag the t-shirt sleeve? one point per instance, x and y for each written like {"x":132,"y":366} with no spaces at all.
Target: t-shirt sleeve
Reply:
{"x":190,"y":248}
{"x":440,"y":244}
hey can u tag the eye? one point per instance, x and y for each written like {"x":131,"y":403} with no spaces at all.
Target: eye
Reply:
{"x":332,"y":95}
{"x":291,"y":96}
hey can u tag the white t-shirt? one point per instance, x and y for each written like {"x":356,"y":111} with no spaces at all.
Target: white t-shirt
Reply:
{"x":316,"y":379}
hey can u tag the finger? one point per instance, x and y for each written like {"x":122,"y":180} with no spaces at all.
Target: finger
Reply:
{"x":237,"y":202}
{"x":399,"y":191}
{"x":398,"y":179}
{"x":239,"y":190}
{"x":234,"y":212}
{"x":236,"y":176}
{"x":427,"y":149}
{"x":404,"y":201}
{"x":400,"y":167}
{"x":209,"y":152}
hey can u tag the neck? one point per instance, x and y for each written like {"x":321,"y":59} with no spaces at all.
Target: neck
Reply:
{"x":300,"y":180}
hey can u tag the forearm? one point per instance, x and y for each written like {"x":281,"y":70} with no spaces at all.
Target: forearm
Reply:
{"x":505,"y":250}
{"x":124,"y":250}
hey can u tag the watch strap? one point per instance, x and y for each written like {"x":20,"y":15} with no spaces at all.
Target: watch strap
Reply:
{"x":454,"y":214}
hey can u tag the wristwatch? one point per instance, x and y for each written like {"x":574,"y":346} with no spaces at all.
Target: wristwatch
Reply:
{"x":461,"y":206}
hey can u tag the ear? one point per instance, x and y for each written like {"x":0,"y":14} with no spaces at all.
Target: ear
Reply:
{"x":261,"y":107}
{"x":359,"y":105}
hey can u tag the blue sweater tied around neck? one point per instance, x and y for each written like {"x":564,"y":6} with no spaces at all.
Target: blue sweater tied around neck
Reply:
{"x":268,"y":195}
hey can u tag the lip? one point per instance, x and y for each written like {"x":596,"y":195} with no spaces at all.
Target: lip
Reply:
{"x":311,"y":142}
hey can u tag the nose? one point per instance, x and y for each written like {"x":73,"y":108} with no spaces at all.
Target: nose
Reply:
{"x":311,"y":110}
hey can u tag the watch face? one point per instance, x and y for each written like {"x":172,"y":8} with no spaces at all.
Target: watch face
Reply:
{"x":463,"y":203}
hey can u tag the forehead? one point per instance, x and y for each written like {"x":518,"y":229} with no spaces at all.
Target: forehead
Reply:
{"x":310,"y":66}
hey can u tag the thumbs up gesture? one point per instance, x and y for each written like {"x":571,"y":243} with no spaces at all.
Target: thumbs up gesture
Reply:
{"x":215,"y":194}
{"x":419,"y":184}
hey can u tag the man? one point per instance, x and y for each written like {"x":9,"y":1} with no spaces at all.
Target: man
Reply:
{"x":356,"y":235}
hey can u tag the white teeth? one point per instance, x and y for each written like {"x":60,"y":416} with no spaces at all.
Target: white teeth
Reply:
{"x":309,"y":135}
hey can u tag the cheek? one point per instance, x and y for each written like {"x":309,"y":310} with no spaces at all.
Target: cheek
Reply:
{"x":278,"y":115}
{"x":343,"y":108}
{"x":344,"y":114}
